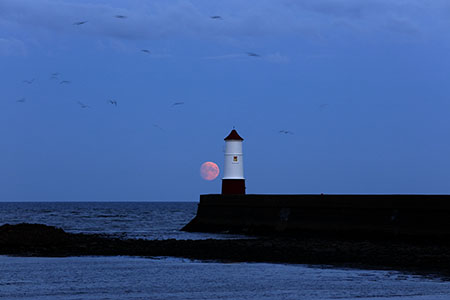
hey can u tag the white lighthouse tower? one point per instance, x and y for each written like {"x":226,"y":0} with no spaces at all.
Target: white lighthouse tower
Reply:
{"x":233,"y":181}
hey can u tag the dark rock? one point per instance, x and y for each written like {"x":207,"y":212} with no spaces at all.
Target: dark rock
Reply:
{"x":42,"y":240}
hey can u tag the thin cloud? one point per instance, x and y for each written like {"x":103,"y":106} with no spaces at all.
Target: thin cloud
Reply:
{"x":241,"y":19}
{"x":226,"y":56}
{"x":273,"y":58}
{"x":402,"y":26}
{"x":12,"y":47}
{"x":277,"y":58}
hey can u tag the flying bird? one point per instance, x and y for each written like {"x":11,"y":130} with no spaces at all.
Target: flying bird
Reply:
{"x":82,"y":105}
{"x":177,"y":103}
{"x":157,"y":126}
{"x":120,"y":16}
{"x":54,"y":76}
{"x":29,"y":81}
{"x":113,"y":102}
{"x":253,"y":54}
{"x":80,"y":23}
{"x":323,"y":106}
{"x":285,"y":132}
{"x":216,"y":17}
{"x":146,"y":51}
{"x":21,"y":100}
{"x":65,"y":82}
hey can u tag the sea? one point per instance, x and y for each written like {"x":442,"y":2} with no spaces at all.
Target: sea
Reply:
{"x":125,"y":277}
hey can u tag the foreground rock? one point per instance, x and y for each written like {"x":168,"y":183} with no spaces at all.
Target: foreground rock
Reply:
{"x":425,"y":256}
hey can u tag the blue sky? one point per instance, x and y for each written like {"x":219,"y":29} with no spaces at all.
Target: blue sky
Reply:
{"x":363,"y":86}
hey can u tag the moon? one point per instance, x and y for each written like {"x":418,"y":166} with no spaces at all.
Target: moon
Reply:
{"x":209,"y":170}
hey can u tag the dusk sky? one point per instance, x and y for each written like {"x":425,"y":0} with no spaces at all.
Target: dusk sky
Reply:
{"x":330,"y":96}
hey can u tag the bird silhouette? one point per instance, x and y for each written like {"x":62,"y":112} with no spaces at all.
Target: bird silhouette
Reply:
{"x":216,"y":17}
{"x":146,"y":51}
{"x":177,"y":103}
{"x":82,"y":105}
{"x":54,"y":76}
{"x":21,"y":100}
{"x":323,"y":106}
{"x":80,"y":23}
{"x":114,"y":102}
{"x":253,"y":54}
{"x":28,"y":81}
{"x":285,"y":132}
{"x":65,"y":82}
{"x":157,"y":126}
{"x":120,"y":16}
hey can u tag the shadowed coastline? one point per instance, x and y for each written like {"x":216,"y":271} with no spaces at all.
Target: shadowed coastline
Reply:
{"x":427,"y":257}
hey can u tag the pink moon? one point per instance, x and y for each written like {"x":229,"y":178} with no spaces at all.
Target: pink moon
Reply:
{"x":209,"y":170}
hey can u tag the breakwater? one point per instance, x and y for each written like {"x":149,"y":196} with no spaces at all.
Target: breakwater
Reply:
{"x":385,"y":216}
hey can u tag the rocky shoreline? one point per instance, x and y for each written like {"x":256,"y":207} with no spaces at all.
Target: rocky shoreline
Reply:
{"x":426,"y":257}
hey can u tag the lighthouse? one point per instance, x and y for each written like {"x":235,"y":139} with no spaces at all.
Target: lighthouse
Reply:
{"x":233,"y":181}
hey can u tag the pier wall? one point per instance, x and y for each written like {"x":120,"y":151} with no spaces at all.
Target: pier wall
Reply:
{"x":365,"y":215}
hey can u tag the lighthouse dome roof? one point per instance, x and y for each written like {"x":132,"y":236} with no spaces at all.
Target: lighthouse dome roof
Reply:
{"x":233,"y":136}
